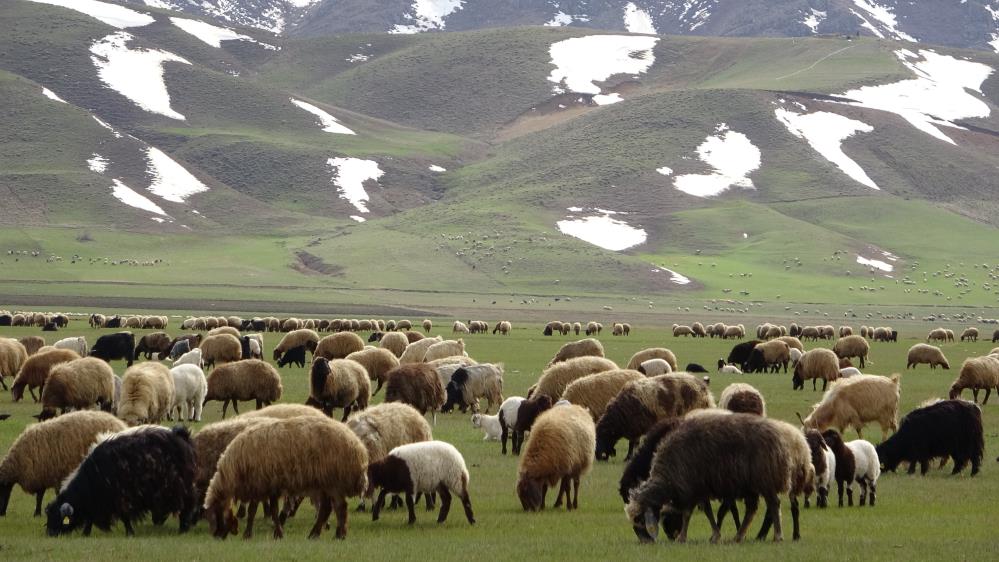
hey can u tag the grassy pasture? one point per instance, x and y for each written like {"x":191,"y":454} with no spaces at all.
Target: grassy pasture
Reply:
{"x":930,"y":517}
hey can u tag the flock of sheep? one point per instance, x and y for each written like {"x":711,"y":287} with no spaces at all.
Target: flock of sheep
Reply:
{"x":101,"y":449}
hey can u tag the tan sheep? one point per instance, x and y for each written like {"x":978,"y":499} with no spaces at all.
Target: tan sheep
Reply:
{"x":338,"y":346}
{"x":283,"y":411}
{"x":32,"y":344}
{"x":937,"y":334}
{"x":416,"y":384}
{"x":655,"y":367}
{"x":404,"y":325}
{"x":416,"y":351}
{"x":377,"y":362}
{"x":221,"y":348}
{"x":742,"y":398}
{"x":819,"y":363}
{"x":80,"y":384}
{"x":225,"y":330}
{"x":652,"y":353}
{"x":559,"y":449}
{"x":296,"y":338}
{"x":924,"y":353}
{"x":45,"y":454}
{"x":395,"y":342}
{"x":459,"y":327}
{"x":291,"y":324}
{"x":248,"y":379}
{"x":147,"y":392}
{"x":684,"y":331}
{"x":595,"y":391}
{"x":771,"y":354}
{"x":212,"y":440}
{"x":971,"y":334}
{"x":854,"y":402}
{"x":427,"y":325}
{"x":852,"y":346}
{"x":588,"y":347}
{"x":846,"y":331}
{"x":35,"y":371}
{"x":446,"y":348}
{"x":12,"y":356}
{"x":977,"y":373}
{"x":340,"y":383}
{"x":336,"y":469}
{"x":554,"y":379}
{"x":792,"y":342}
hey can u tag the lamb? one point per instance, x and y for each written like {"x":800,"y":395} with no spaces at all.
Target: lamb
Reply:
{"x":977,"y":373}
{"x":46,"y":453}
{"x":727,"y":368}
{"x":923,"y":353}
{"x":818,"y":363}
{"x":470,"y":383}
{"x":653,"y":353}
{"x":771,"y":355}
{"x":192,"y":357}
{"x":824,"y":461}
{"x":340,"y":383}
{"x":79,"y":384}
{"x":743,"y":398}
{"x":221,"y":348}
{"x":527,"y":413}
{"x":948,"y":428}
{"x":845,"y":468}
{"x":852,"y":346}
{"x":35,"y":371}
{"x":295,"y":355}
{"x":654,"y":367}
{"x":156,"y":342}
{"x":77,"y":344}
{"x":937,"y":334}
{"x":446,"y":348}
{"x":337,"y":469}
{"x":427,"y":467}
{"x":507,"y":418}
{"x":560,"y":447}
{"x":338,"y":346}
{"x":147,"y":392}
{"x":295,"y":339}
{"x":588,"y":347}
{"x":594,"y":392}
{"x":854,"y":402}
{"x":190,"y":390}
{"x":377,"y":362}
{"x":396,"y":342}
{"x":415,"y":352}
{"x":555,"y":378}
{"x":417,"y":385}
{"x":12,"y":357}
{"x":490,"y":425}
{"x":971,"y":334}
{"x":642,"y":403}
{"x":125,"y":476}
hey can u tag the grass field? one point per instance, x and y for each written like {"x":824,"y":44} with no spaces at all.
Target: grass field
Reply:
{"x":934,"y":517}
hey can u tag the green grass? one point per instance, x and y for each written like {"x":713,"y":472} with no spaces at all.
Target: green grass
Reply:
{"x":952,"y":521}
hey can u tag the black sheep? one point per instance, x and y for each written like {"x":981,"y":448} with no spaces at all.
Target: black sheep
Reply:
{"x":294,"y":355}
{"x":125,"y":477}
{"x":547,"y":331}
{"x":6,"y":319}
{"x":50,"y":327}
{"x":740,"y":352}
{"x":113,"y":322}
{"x":695,"y":368}
{"x":846,"y":465}
{"x":114,"y":346}
{"x":376,"y":336}
{"x":949,"y":428}
{"x":528,"y":411}
{"x":637,"y":469}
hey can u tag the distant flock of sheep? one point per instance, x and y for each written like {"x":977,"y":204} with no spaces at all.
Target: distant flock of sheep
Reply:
{"x":100,"y":448}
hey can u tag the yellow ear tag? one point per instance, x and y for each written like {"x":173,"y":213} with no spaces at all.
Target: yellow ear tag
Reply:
{"x":65,"y":520}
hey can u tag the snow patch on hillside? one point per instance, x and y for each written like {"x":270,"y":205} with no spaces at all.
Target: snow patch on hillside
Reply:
{"x":428,"y":15}
{"x":170,"y":180}
{"x":436,"y":168}
{"x":97,"y":163}
{"x":560,"y":19}
{"x":665,"y":170}
{"x":580,"y":62}
{"x":674,"y":277}
{"x":732,"y":156}
{"x":814,"y":20}
{"x":884,"y":16}
{"x":825,"y":133}
{"x":136,"y":74}
{"x":111,"y":14}
{"x":349,"y":175}
{"x":132,"y":198}
{"x":51,"y":95}
{"x":326,"y":121}
{"x":214,"y":35}
{"x":877,"y":264}
{"x":116,"y":134}
{"x":602,"y":230}
{"x":637,"y":20}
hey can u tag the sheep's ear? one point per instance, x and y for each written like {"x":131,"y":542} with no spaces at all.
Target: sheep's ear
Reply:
{"x":66,"y":510}
{"x":652,"y":524}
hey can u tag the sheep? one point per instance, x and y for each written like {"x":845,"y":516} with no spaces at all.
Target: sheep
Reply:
{"x":824,"y":461}
{"x":654,"y":367}
{"x":555,"y":378}
{"x":414,"y":336}
{"x":867,"y":469}
{"x":490,"y":425}
{"x":35,"y":371}
{"x":77,"y":344}
{"x":504,"y":328}
{"x":46,"y":453}
{"x":446,"y":366}
{"x":12,"y":357}
{"x":415,"y":352}
{"x":221,"y":348}
{"x":740,"y":352}
{"x":995,"y":336}
{"x":977,"y":373}
{"x":652,"y":353}
{"x":156,"y":342}
{"x":698,"y":330}
{"x":211,"y":442}
{"x":852,"y":346}
{"x":923,"y":353}
{"x":377,"y":362}
{"x":416,"y":385}
{"x":728,"y":368}
{"x":685,"y":331}
{"x":340,"y":383}
{"x":695,"y":368}
{"x":338,"y":346}
{"x":792,"y":342}
{"x":181,"y":345}
{"x":595,"y":391}
{"x":849,"y":372}
{"x":225,"y":330}
{"x":948,"y":428}
{"x":147,"y":393}
{"x":395,"y":342}
{"x":109,"y":347}
{"x":78,"y":384}
{"x":427,"y":325}
{"x":403,"y":325}
{"x":636,"y":470}
{"x":427,"y":467}
{"x":337,"y":469}
{"x":192,"y":357}
{"x":588,"y":347}
{"x":295,"y":339}
{"x":190,"y":390}
{"x":742,"y":398}
{"x":446,"y":348}
{"x":459,"y":327}
{"x":284,"y":411}
{"x":845,"y":468}
{"x":733,"y":332}
{"x":771,"y":355}
{"x":819,"y":363}
{"x":470,"y":383}
{"x":643,"y":402}
{"x":810,"y":333}
{"x":937,"y":334}
{"x":128,"y":474}
{"x":560,"y":447}
{"x":293,"y":356}
{"x":801,"y":477}
{"x":795,"y":355}
{"x":971,"y":334}
{"x":854,"y":402}
{"x":32,"y":344}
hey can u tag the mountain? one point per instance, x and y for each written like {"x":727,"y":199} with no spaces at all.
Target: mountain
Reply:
{"x":145,"y":151}
{"x":966,"y":24}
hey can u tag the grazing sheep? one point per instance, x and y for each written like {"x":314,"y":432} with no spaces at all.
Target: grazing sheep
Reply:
{"x":507,"y":417}
{"x":854,"y":402}
{"x":742,"y":398}
{"x":937,"y":334}
{"x":740,"y":352}
{"x":190,"y":390}
{"x":818,"y":363}
{"x":795,"y":356}
{"x":948,"y":428}
{"x":698,"y":330}
{"x":147,"y":393}
{"x":867,"y":469}
{"x":338,"y":346}
{"x":404,"y":325}
{"x":470,"y":383}
{"x":642,"y":403}
{"x":417,"y":385}
{"x":446,"y":348}
{"x":490,"y":425}
{"x":221,"y":348}
{"x":12,"y":357}
{"x":211,"y":442}
{"x":504,"y":328}
{"x":459,"y":327}
{"x":801,"y":477}
{"x":337,"y":469}
{"x":115,"y":346}
{"x":192,"y":357}
{"x":654,"y":367}
{"x":588,"y":347}
{"x":824,"y":461}
{"x":527,"y":412}
{"x":156,"y":342}
{"x":923,"y":353}
{"x":295,"y":339}
{"x":770,"y":355}
{"x":652,"y":353}
{"x":35,"y":371}
{"x":695,"y":368}
{"x":224,"y":330}
{"x":125,"y":476}
{"x":971,"y":334}
{"x":427,"y":467}
{"x":427,"y":325}
{"x":555,"y":378}
{"x":377,"y":362}
{"x":180,"y":347}
{"x":852,"y":346}
{"x":845,"y":468}
{"x":415,"y":352}
{"x":594,"y":392}
{"x":79,"y":384}
{"x":560,"y":448}
{"x":977,"y":373}
{"x":734,"y":332}
{"x":684,"y":331}
{"x":849,"y":372}
{"x":728,"y":368}
{"x":340,"y":383}
{"x":46,"y":453}
{"x":32,"y":344}
{"x":414,"y":336}
{"x":792,"y":342}
{"x":396,"y":342}
{"x":636,"y":470}
{"x":77,"y":344}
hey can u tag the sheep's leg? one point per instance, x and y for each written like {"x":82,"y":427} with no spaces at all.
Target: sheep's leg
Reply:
{"x":795,"y":513}
{"x":765,"y":527}
{"x":377,"y":389}
{"x":129,"y":531}
{"x":251,"y":514}
{"x":715,"y":526}
{"x":276,"y":517}
{"x":924,"y":467}
{"x":562,"y":490}
{"x":410,"y":505}
{"x":235,"y":406}
{"x":32,"y":391}
{"x":873,"y":492}
{"x":445,"y":503}
{"x":975,"y":463}
{"x":346,"y":413}
{"x":377,"y":507}
{"x":544,"y":494}
{"x":849,"y":494}
{"x":988,"y":392}
{"x":197,"y":411}
{"x":773,"y":507}
{"x":322,"y":516}
{"x":912,"y":468}
{"x":682,"y":537}
{"x":631,"y":448}
{"x":575,"y":493}
{"x":943,"y":462}
{"x":839,"y":486}
{"x":863,"y":492}
{"x":974,"y":394}
{"x":959,"y":465}
{"x":38,"y":503}
{"x":340,"y":509}
{"x":225,"y":407}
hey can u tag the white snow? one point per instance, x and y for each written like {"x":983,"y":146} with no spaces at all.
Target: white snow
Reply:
{"x":51,"y":95}
{"x":165,"y":4}
{"x":580,"y":62}
{"x":130,"y":197}
{"x":302,"y":3}
{"x":170,"y":180}
{"x":938,"y":95}
{"x":637,"y":20}
{"x":136,"y":74}
{"x":825,"y":133}
{"x":877,"y":264}
{"x":814,"y":19}
{"x":884,"y":16}
{"x":326,"y":121}
{"x":676,"y":277}
{"x":436,"y":168}
{"x":665,"y":170}
{"x":111,"y":14}
{"x":603,"y":231}
{"x":97,"y":163}
{"x":214,"y":35}
{"x":732,"y":156}
{"x":428,"y":15}
{"x":357,"y":57}
{"x":349,"y":175}
{"x":358,"y":218}
{"x":116,"y":134}
{"x":560,"y":19}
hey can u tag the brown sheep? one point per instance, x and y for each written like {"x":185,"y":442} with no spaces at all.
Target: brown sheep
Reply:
{"x":588,"y":347}
{"x":12,"y":356}
{"x":248,"y":379}
{"x":395,"y":342}
{"x":296,"y":338}
{"x":852,"y":346}
{"x":652,"y":353}
{"x":35,"y":371}
{"x":594,"y":392}
{"x":340,"y":383}
{"x":337,"y":346}
{"x":819,"y":363}
{"x":555,"y":378}
{"x":377,"y":362}
{"x":416,"y":384}
{"x":79,"y":384}
{"x":977,"y":373}
{"x":32,"y":344}
{"x":559,"y":449}
{"x":221,"y":348}
{"x":923,"y":353}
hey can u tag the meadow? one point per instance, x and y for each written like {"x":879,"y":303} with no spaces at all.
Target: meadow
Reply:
{"x":935,"y":516}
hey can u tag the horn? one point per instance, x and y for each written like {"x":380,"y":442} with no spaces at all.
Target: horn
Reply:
{"x":652,"y":523}
{"x":799,"y":418}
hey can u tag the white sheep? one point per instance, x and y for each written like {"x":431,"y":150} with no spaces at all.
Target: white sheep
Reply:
{"x":488,"y":424}
{"x":867,"y":470}
{"x":78,"y":344}
{"x":192,"y":357}
{"x":849,"y":372}
{"x":190,"y":388}
{"x":508,"y":417}
{"x":795,"y":355}
{"x":426,"y":467}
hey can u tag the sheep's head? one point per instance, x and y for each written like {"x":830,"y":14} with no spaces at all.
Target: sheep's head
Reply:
{"x":605,"y":449}
{"x":454,"y":397}
{"x":222,"y":522}
{"x":61,"y":518}
{"x":45,"y":414}
{"x":798,"y":378}
{"x":645,"y":522}
{"x":476,"y":420}
{"x":530,"y":493}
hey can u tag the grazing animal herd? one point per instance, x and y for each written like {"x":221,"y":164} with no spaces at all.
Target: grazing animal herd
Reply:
{"x":100,"y":447}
